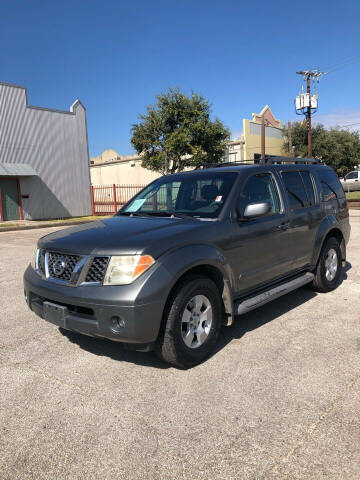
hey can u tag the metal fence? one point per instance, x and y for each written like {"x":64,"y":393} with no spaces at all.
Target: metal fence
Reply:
{"x":107,"y":199}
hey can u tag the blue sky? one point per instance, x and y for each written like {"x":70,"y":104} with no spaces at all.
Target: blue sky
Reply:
{"x":116,"y":56}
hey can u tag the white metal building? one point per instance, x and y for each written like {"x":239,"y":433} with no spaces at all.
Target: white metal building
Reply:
{"x":44,"y":159}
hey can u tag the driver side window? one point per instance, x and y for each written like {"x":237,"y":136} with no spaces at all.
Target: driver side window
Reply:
{"x":260,"y":188}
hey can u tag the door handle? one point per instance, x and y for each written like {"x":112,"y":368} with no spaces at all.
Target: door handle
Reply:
{"x":283,"y":226}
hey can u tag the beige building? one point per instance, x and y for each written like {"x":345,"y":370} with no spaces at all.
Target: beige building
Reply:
{"x":248,"y":147}
{"x":110,"y":167}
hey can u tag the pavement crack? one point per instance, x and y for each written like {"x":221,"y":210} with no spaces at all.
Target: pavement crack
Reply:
{"x":310,"y":429}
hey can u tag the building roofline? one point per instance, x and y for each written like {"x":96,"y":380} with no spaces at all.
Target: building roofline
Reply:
{"x":54,"y":110}
{"x":114,"y":162}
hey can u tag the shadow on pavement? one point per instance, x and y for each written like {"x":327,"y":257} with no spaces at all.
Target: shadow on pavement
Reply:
{"x":241,"y":325}
{"x":115,"y":350}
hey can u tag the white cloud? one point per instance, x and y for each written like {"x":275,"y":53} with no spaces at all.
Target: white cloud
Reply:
{"x":236,"y":134}
{"x":340,"y":118}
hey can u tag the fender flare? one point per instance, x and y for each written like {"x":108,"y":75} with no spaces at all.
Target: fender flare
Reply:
{"x":326,"y":226}
{"x":179,"y":261}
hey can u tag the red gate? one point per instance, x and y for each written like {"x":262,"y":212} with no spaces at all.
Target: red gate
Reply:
{"x":107,"y":199}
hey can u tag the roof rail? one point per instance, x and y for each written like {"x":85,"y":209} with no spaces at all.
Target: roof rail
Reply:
{"x":293,"y":160}
{"x":227,"y":164}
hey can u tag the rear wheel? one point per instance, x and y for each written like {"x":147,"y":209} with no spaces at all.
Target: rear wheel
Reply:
{"x":329,"y":267}
{"x":192,"y":322}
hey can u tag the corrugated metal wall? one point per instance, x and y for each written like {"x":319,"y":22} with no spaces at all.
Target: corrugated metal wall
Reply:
{"x":55,"y":144}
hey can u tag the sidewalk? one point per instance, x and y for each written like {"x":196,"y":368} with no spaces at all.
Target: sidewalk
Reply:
{"x":32,"y":224}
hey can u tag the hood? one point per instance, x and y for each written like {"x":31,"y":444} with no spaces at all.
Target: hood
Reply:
{"x":122,"y":235}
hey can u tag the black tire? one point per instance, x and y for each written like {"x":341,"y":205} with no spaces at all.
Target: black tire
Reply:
{"x":320,"y":282}
{"x":170,"y":345}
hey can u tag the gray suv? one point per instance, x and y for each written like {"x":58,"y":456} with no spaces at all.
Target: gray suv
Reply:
{"x":190,"y":252}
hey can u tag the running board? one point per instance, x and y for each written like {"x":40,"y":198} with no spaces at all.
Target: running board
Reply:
{"x":251,"y":303}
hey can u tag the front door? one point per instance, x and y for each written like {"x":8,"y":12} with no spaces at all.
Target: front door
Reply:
{"x":9,"y":198}
{"x":260,"y":248}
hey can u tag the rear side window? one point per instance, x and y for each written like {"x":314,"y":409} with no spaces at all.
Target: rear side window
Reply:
{"x":295,"y":190}
{"x":309,"y":187}
{"x":352,"y":175}
{"x":330,"y":185}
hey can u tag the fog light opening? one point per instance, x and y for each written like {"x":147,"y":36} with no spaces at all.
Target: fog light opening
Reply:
{"x":117,"y":324}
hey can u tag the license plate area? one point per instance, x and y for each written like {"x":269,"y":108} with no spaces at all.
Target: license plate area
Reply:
{"x":54,"y":313}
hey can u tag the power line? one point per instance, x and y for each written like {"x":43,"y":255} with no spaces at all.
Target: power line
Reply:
{"x":342,"y":61}
{"x":346,"y":62}
{"x":348,"y":125}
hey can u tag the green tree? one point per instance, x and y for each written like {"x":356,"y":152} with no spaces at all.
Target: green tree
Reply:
{"x":338,"y":148}
{"x":178,"y":132}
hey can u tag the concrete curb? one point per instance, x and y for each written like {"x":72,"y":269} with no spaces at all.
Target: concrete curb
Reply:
{"x":43,"y":225}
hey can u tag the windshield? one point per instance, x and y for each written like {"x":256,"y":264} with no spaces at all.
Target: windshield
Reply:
{"x":197,"y":195}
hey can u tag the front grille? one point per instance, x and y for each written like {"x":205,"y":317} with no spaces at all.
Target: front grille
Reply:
{"x":61,"y":266}
{"x":97,"y":269}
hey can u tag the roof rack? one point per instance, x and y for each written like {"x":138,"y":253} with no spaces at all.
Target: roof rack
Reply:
{"x":293,"y":160}
{"x":271,"y":160}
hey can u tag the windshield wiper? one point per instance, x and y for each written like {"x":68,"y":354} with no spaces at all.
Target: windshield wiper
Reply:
{"x":183,"y":215}
{"x":166,"y":213}
{"x":133,"y":214}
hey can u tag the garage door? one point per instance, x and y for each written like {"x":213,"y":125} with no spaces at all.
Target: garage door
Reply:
{"x":9,"y":199}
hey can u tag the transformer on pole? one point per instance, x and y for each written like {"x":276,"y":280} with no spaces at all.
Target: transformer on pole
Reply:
{"x":307,"y":103}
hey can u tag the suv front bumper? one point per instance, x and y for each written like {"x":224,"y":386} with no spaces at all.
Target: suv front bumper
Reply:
{"x":101,"y":311}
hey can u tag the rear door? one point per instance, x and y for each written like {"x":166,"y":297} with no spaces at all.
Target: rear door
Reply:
{"x":305,"y":214}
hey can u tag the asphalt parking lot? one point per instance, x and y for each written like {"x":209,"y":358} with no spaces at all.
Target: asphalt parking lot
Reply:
{"x":279,"y":399}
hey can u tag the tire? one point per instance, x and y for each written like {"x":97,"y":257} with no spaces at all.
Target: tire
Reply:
{"x":176,"y":344}
{"x":324,"y":280}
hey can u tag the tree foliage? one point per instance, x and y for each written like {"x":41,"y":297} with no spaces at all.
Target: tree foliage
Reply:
{"x":178,"y":132}
{"x":338,"y":148}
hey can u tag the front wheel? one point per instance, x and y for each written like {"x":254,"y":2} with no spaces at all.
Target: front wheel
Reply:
{"x":192,"y":322}
{"x":329,"y":267}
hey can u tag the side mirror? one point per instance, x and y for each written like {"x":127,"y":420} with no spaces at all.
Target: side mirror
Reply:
{"x":253,"y":210}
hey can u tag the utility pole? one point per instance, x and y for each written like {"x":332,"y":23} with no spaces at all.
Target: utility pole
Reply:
{"x":305,"y":103}
{"x":290,"y":140}
{"x":262,"y":137}
{"x":308,"y":91}
{"x":166,"y":162}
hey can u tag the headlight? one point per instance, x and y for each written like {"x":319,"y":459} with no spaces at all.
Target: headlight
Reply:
{"x":124,"y":269}
{"x":34,"y":259}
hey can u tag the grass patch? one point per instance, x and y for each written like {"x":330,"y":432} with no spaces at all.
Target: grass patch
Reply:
{"x":55,"y":220}
{"x":353,"y":195}
{"x":5,"y":224}
{"x":76,"y":219}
